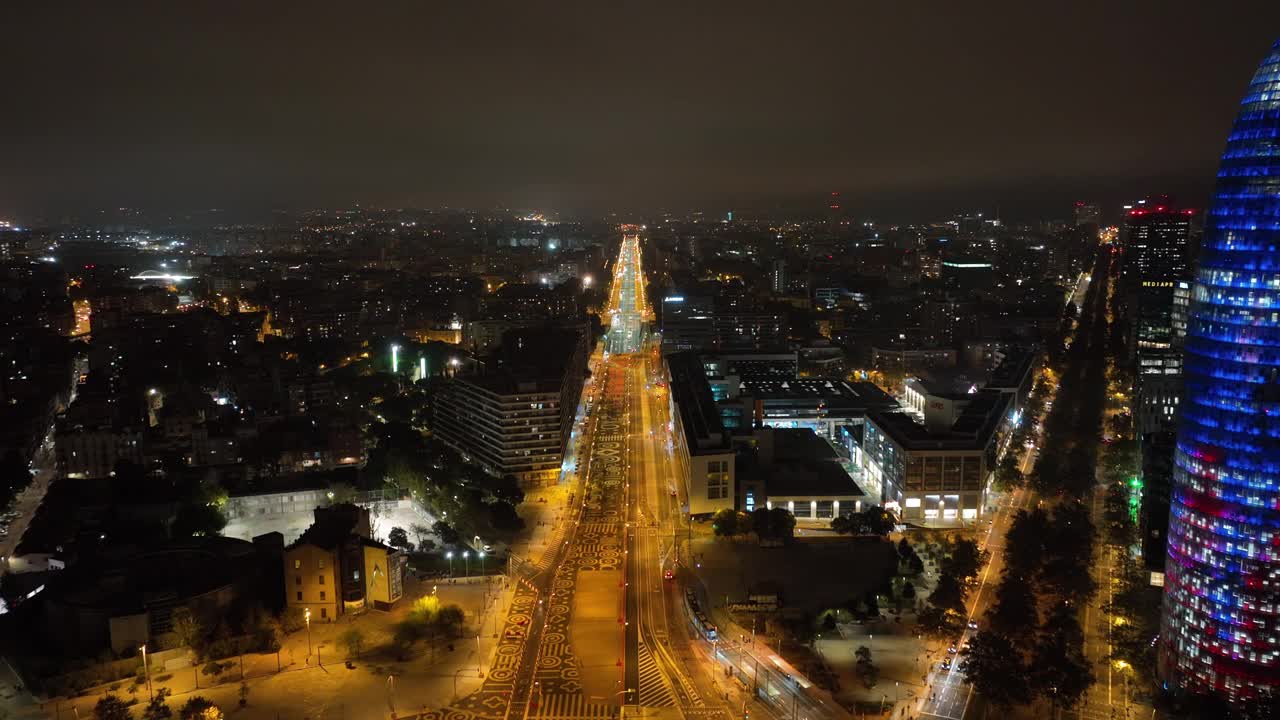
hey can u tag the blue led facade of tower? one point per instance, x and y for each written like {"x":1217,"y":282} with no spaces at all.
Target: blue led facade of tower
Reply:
{"x":1220,"y":630}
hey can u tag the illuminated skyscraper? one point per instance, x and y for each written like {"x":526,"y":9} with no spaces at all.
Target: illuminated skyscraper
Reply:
{"x":1221,"y":626}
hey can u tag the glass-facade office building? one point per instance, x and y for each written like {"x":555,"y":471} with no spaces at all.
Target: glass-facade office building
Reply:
{"x":1221,"y":626}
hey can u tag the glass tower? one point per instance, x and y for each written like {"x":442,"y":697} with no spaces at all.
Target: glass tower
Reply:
{"x":1221,"y":626}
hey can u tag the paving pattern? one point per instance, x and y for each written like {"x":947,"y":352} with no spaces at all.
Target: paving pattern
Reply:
{"x":545,"y":600}
{"x":491,"y":700}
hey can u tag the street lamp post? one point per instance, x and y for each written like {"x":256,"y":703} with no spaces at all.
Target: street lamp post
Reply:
{"x":449,"y":556}
{"x":306,"y":615}
{"x":481,"y":554}
{"x":466,"y":561}
{"x":146,"y":670}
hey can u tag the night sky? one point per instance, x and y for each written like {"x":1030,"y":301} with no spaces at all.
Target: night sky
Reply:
{"x":908,"y":108}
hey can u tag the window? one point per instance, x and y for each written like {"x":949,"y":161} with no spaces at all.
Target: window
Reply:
{"x":355,"y":575}
{"x":322,"y":595}
{"x":324,"y":612}
{"x":913,"y":502}
{"x":297,"y":579}
{"x":717,"y":479}
{"x":322,"y":579}
{"x":299,"y":596}
{"x":297,"y":564}
{"x":321,"y":563}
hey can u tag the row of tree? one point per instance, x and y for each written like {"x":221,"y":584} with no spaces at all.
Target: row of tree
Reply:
{"x":766,"y":523}
{"x":945,"y":612}
{"x":112,"y":707}
{"x":1032,"y":645}
{"x":874,"y":520}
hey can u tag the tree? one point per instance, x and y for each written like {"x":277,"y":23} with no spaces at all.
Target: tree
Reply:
{"x":450,"y":619}
{"x":198,"y":519}
{"x":187,"y":628}
{"x":782,"y":524}
{"x":872,"y":601}
{"x":725,"y":523}
{"x":421,"y":534}
{"x":1024,"y":542}
{"x":403,"y":636}
{"x":447,"y":534}
{"x":341,"y":493}
{"x":744,"y":523}
{"x":1008,"y":474}
{"x":762,"y":522}
{"x":194,"y":708}
{"x":865,"y":669}
{"x":292,"y":619}
{"x":503,"y":516}
{"x":908,"y":591}
{"x":399,"y":538}
{"x":110,"y":707}
{"x":1014,"y":613}
{"x":964,"y":559}
{"x":937,"y":622}
{"x":877,"y":521}
{"x":1060,"y":673}
{"x":915,"y":564}
{"x":158,"y":707}
{"x":843,"y":524}
{"x":948,"y":594}
{"x":993,"y":665}
{"x":352,"y":638}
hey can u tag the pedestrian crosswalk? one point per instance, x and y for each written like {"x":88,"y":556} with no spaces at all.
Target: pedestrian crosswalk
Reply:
{"x":653,"y":690}
{"x":571,"y":706}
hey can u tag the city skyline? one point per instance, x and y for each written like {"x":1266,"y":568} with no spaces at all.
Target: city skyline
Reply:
{"x":604,"y":362}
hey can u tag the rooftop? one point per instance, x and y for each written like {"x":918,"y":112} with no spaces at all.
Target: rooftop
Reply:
{"x":699,"y":416}
{"x":797,"y":463}
{"x":834,"y":392}
{"x":972,"y":430}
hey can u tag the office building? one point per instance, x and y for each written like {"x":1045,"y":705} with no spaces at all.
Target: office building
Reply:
{"x":778,"y":277}
{"x":1222,"y":580}
{"x":935,"y":471}
{"x":1087,"y":214}
{"x":687,"y":322}
{"x":703,"y":453}
{"x":1157,"y":273}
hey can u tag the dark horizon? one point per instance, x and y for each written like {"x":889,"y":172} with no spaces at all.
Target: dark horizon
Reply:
{"x":601,"y":108}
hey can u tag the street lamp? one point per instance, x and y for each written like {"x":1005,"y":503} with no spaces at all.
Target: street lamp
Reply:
{"x":449,"y":556}
{"x":146,"y":670}
{"x":481,"y":554}
{"x":395,"y":359}
{"x":306,"y":615}
{"x":466,"y":562}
